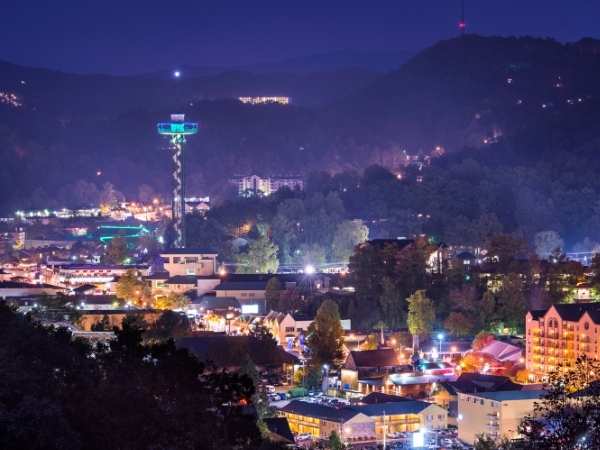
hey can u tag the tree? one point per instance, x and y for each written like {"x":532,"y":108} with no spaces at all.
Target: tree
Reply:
{"x":131,"y":288}
{"x":170,"y":324}
{"x":391,"y":304}
{"x":110,"y":197}
{"x":505,"y":249}
{"x":548,"y":243}
{"x":259,"y":257}
{"x":158,"y":390}
{"x":512,"y":303}
{"x":173,"y":300}
{"x":421,"y":315}
{"x":116,"y":251}
{"x":273,"y":293}
{"x":482,"y":339}
{"x":259,"y":398}
{"x":458,"y":324}
{"x":325,"y":336}
{"x":102,"y":325}
{"x":348,"y":235}
{"x":568,"y":411}
{"x":485,"y":442}
{"x":335,"y":443}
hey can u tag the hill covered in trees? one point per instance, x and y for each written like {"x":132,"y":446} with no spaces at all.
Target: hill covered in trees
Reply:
{"x":517,"y":118}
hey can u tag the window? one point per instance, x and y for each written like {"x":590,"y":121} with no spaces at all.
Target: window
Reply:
{"x":481,"y":402}
{"x":586,"y":326}
{"x":176,"y":260}
{"x":289,"y":329}
{"x":191,"y":260}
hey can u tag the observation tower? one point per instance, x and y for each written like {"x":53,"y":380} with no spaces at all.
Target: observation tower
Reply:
{"x":177,"y":130}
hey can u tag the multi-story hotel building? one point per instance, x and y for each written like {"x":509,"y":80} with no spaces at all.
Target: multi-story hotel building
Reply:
{"x":256,"y":185}
{"x":265,"y":100}
{"x":557,"y":336}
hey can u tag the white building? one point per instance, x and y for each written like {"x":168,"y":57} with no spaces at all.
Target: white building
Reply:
{"x":190,"y":261}
{"x":494,"y":414}
{"x":256,"y":185}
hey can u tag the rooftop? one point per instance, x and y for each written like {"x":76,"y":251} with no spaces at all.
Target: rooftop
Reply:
{"x":189,"y":251}
{"x":242,"y":286}
{"x":383,"y":357}
{"x":502,"y":396}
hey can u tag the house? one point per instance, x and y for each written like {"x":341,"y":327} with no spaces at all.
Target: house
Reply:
{"x":190,"y":261}
{"x":365,"y":371}
{"x":288,"y":330}
{"x":495,"y":414}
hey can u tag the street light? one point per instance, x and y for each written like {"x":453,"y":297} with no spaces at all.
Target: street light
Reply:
{"x":309,"y":269}
{"x":176,"y":73}
{"x":440,"y":337}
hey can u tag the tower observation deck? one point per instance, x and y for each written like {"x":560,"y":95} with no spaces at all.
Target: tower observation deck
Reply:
{"x":177,"y":130}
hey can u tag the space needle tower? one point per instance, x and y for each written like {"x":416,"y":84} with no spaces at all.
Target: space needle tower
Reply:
{"x":177,"y":130}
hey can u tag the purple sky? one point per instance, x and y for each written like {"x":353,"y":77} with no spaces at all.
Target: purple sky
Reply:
{"x":132,"y":36}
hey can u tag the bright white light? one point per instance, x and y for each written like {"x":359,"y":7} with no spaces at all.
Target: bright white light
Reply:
{"x":418,"y":439}
{"x":309,"y":269}
{"x":440,"y":336}
{"x":177,"y":74}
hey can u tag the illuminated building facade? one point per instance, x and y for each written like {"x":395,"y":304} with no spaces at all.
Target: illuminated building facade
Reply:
{"x":265,"y":100}
{"x":557,"y":336}
{"x":256,"y":185}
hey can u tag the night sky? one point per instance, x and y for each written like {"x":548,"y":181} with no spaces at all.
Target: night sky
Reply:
{"x":133,"y":36}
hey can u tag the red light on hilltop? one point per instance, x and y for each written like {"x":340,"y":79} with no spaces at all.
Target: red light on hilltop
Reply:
{"x":462,"y":25}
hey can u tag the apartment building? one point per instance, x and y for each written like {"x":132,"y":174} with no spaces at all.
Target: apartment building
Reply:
{"x":495,"y":414}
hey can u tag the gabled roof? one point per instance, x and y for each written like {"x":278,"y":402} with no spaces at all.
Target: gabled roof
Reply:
{"x":317,"y":410}
{"x":393,"y":408}
{"x":280,"y":427}
{"x":571,"y":312}
{"x":380,"y":397}
{"x":470,"y":383}
{"x":20,"y":285}
{"x":501,"y":396}
{"x":383,"y":357}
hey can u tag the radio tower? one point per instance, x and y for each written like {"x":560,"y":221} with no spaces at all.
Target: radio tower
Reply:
{"x":177,"y":130}
{"x":462,"y":25}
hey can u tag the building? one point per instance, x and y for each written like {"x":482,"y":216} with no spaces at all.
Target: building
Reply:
{"x":446,"y":393}
{"x":249,"y":185}
{"x":190,"y":261}
{"x":559,"y":335}
{"x":78,"y":274}
{"x":495,"y":414}
{"x":287,"y":330}
{"x":366,"y":371}
{"x":11,"y":289}
{"x":265,"y":100}
{"x":365,"y":422}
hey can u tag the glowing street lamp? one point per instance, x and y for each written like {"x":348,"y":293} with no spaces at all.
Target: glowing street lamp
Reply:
{"x":176,"y":73}
{"x":309,"y":269}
